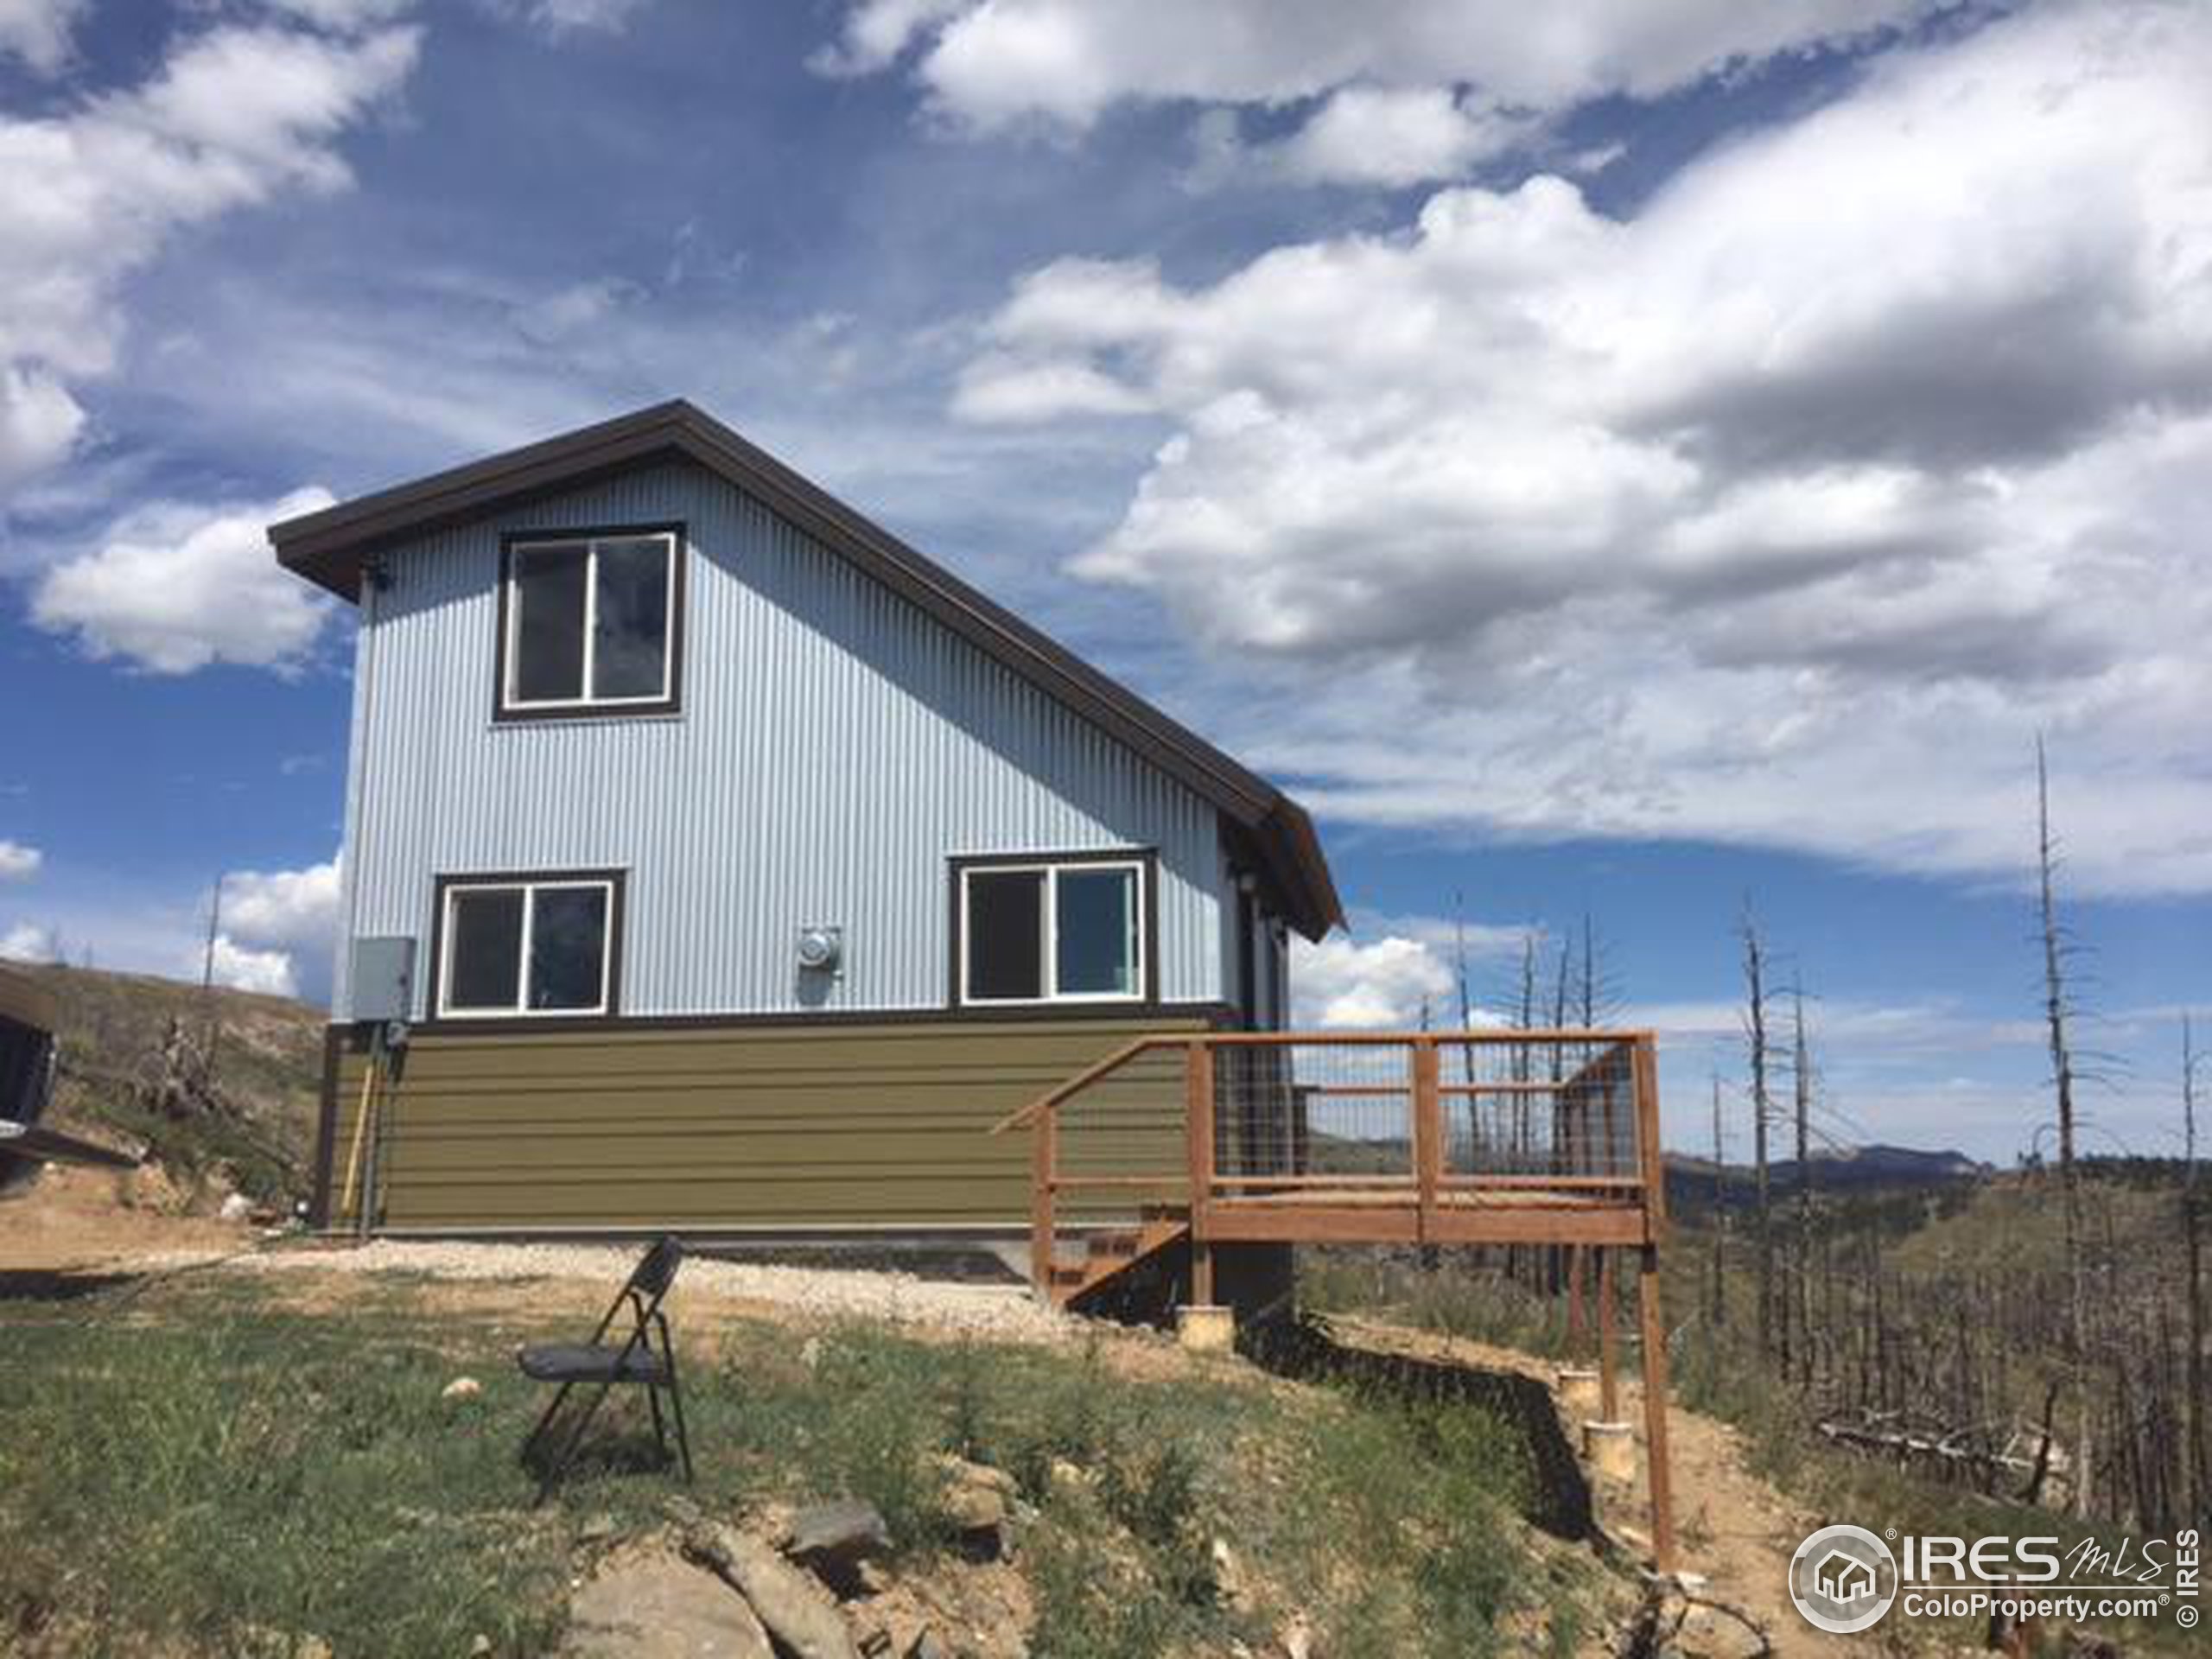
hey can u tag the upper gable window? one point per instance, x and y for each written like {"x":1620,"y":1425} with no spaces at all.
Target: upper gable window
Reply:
{"x":590,"y":622}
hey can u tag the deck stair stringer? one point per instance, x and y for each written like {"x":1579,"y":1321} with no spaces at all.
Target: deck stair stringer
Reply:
{"x":1109,"y":1252}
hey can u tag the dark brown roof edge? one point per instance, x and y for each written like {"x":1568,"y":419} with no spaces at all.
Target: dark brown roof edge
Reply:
{"x":330,"y":547}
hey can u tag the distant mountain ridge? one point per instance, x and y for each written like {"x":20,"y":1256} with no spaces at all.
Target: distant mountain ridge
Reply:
{"x":1841,"y":1168}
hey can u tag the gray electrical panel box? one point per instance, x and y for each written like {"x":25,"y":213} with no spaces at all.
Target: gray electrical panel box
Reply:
{"x":382,"y":979}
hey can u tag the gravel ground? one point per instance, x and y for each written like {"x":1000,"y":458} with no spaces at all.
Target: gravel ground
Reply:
{"x":1005,"y":1312}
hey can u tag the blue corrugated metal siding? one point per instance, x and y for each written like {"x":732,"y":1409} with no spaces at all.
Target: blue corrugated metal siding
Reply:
{"x":835,"y":745}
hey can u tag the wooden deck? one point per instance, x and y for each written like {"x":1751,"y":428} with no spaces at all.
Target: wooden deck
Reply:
{"x":1546,"y":1139}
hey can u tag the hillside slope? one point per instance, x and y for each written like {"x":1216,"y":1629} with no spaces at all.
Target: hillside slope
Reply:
{"x":219,"y":1087}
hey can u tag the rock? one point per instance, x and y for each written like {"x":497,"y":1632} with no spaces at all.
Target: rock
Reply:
{"x":835,"y":1540}
{"x":927,"y":1645}
{"x":480,"y":1644}
{"x":461,"y":1387}
{"x":1068,"y":1477}
{"x":875,"y":1644}
{"x":263,"y":1642}
{"x":236,"y":1208}
{"x":1229,"y":1574}
{"x":792,"y":1606}
{"x":1297,"y":1639}
{"x":979,"y":1502}
{"x":659,"y":1607}
{"x":597,"y":1528}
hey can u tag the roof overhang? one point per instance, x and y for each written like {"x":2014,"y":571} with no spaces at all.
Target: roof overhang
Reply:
{"x":332,"y":549}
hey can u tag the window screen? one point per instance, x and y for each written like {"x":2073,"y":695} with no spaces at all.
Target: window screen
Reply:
{"x":1096,"y":913}
{"x":568,"y":947}
{"x":630,"y":624}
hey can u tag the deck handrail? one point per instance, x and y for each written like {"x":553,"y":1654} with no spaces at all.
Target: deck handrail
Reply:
{"x":1082,"y":1080}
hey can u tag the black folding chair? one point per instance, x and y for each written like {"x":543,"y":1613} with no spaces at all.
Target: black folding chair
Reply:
{"x":646,"y":1358}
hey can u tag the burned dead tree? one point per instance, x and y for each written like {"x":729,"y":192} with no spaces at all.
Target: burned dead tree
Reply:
{"x":1755,"y":1027}
{"x":1801,"y":1089}
{"x":2057,"y":1012}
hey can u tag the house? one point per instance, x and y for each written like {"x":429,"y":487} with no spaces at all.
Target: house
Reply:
{"x":731,"y":865}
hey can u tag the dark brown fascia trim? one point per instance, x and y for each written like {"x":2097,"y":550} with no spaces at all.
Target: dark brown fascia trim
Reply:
{"x":1215,"y":1015}
{"x":616,"y":921}
{"x":328,"y":548}
{"x":315,"y":544}
{"x":1147,"y":857}
{"x":678,"y":611}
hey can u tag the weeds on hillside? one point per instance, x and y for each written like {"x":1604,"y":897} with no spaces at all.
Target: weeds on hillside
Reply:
{"x":196,"y":1469}
{"x":236,"y":1480}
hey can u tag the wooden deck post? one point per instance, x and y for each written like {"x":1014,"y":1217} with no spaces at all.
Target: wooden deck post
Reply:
{"x":1429,"y":1135}
{"x":1197,"y":1100}
{"x":1044,"y":1238}
{"x":1654,"y":1411}
{"x":1608,"y":1346}
{"x":1658,"y":1472}
{"x":1578,"y":1334}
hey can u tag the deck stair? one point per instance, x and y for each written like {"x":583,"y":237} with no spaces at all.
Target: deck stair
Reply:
{"x":1109,"y":1252}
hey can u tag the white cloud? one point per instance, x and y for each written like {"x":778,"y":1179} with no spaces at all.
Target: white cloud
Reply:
{"x":1342,"y":985}
{"x":269,"y":972}
{"x":877,"y":31}
{"x":1419,"y":89}
{"x":344,"y":15}
{"x":18,"y":861}
{"x":279,"y":928}
{"x":991,"y":61}
{"x":559,"y":17}
{"x":232,"y":116}
{"x":1784,"y":513}
{"x":37,"y":32}
{"x":568,"y":311}
{"x":296,"y":910}
{"x":25,"y":942}
{"x":177,"y":588}
{"x":1395,"y":137}
{"x":39,"y":422}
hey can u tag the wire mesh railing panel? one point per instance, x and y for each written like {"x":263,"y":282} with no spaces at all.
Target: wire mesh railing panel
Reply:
{"x":1537,"y":1109}
{"x":1300,"y":1111}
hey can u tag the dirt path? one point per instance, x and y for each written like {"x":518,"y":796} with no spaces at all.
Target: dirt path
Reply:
{"x":1735,"y":1529}
{"x":87,"y":1221}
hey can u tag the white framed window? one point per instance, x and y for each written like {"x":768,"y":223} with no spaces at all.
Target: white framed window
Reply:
{"x":1067,"y":930}
{"x":523,"y":947}
{"x":590,"y":622}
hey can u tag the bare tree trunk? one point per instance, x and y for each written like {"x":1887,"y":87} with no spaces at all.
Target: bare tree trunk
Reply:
{"x":1762,"y":1115}
{"x":2055,"y":1010}
{"x":1801,"y":1057}
{"x":1719,"y":1217}
{"x":206,"y":1079}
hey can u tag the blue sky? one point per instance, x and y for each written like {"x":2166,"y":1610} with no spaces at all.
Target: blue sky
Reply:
{"x":1640,"y":463}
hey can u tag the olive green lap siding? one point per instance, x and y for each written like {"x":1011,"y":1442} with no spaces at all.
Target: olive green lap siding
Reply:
{"x":828,"y":1126}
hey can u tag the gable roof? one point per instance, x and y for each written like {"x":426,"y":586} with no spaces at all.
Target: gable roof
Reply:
{"x":330,"y":548}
